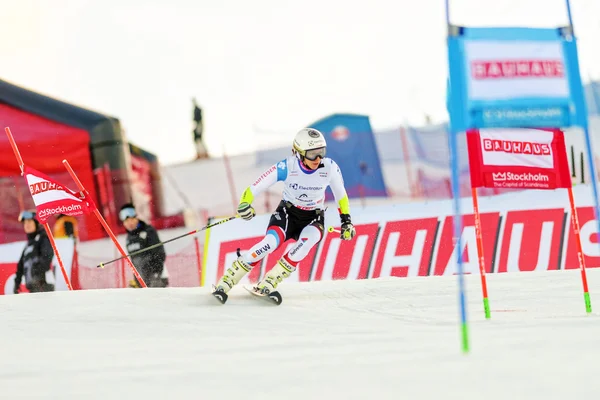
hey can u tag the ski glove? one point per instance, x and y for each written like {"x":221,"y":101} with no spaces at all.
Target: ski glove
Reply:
{"x":348,"y":232}
{"x":246,"y":211}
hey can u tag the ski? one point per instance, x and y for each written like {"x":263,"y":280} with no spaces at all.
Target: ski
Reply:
{"x":273,"y":297}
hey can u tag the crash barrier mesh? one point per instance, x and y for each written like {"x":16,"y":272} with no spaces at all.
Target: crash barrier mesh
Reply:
{"x":183,"y":269}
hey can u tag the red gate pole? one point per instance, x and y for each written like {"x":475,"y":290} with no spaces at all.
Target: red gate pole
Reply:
{"x":575,"y":223}
{"x":198,"y":259}
{"x":479,"y":236}
{"x":103,"y":222}
{"x":46,"y":227}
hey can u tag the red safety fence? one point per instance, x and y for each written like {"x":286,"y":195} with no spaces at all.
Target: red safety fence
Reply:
{"x":184,"y":269}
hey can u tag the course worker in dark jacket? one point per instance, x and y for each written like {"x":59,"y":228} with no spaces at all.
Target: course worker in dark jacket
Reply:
{"x":36,"y":258}
{"x":140,"y":235}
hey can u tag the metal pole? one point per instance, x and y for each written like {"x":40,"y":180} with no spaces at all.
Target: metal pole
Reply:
{"x":457,"y":235}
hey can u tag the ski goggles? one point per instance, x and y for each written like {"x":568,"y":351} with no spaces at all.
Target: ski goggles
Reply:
{"x":313,"y":154}
{"x":26,"y":215}
{"x":127,"y":213}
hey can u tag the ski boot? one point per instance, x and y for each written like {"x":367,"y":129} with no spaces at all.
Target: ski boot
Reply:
{"x":283,"y":269}
{"x":234,"y":274}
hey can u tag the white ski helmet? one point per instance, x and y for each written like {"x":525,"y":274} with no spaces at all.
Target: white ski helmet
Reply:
{"x":309,"y":143}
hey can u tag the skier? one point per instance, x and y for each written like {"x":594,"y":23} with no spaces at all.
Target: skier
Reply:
{"x":299,"y":216}
{"x":36,"y":258}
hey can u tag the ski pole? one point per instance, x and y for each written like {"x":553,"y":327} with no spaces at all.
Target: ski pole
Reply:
{"x":135,"y":253}
{"x":332,"y":229}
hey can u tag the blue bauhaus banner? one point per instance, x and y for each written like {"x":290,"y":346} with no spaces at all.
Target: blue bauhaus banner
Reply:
{"x":351,"y":144}
{"x":514,"y":77}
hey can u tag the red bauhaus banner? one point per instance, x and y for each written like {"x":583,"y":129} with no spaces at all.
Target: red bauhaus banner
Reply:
{"x":518,"y":159}
{"x":50,"y":197}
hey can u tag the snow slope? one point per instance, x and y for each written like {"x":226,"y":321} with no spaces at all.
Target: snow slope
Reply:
{"x":372,"y":339}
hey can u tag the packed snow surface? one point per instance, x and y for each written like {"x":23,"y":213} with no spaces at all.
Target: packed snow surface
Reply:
{"x":393,"y":338}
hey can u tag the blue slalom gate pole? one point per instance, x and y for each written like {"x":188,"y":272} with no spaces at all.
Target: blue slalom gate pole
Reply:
{"x":569,"y":13}
{"x":588,"y":143}
{"x":457,"y":223}
{"x":447,"y":2}
{"x":457,"y":234}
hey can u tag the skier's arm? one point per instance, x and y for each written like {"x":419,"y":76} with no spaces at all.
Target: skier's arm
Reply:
{"x":338,"y":189}
{"x":341,"y":197}
{"x":276,"y":173}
